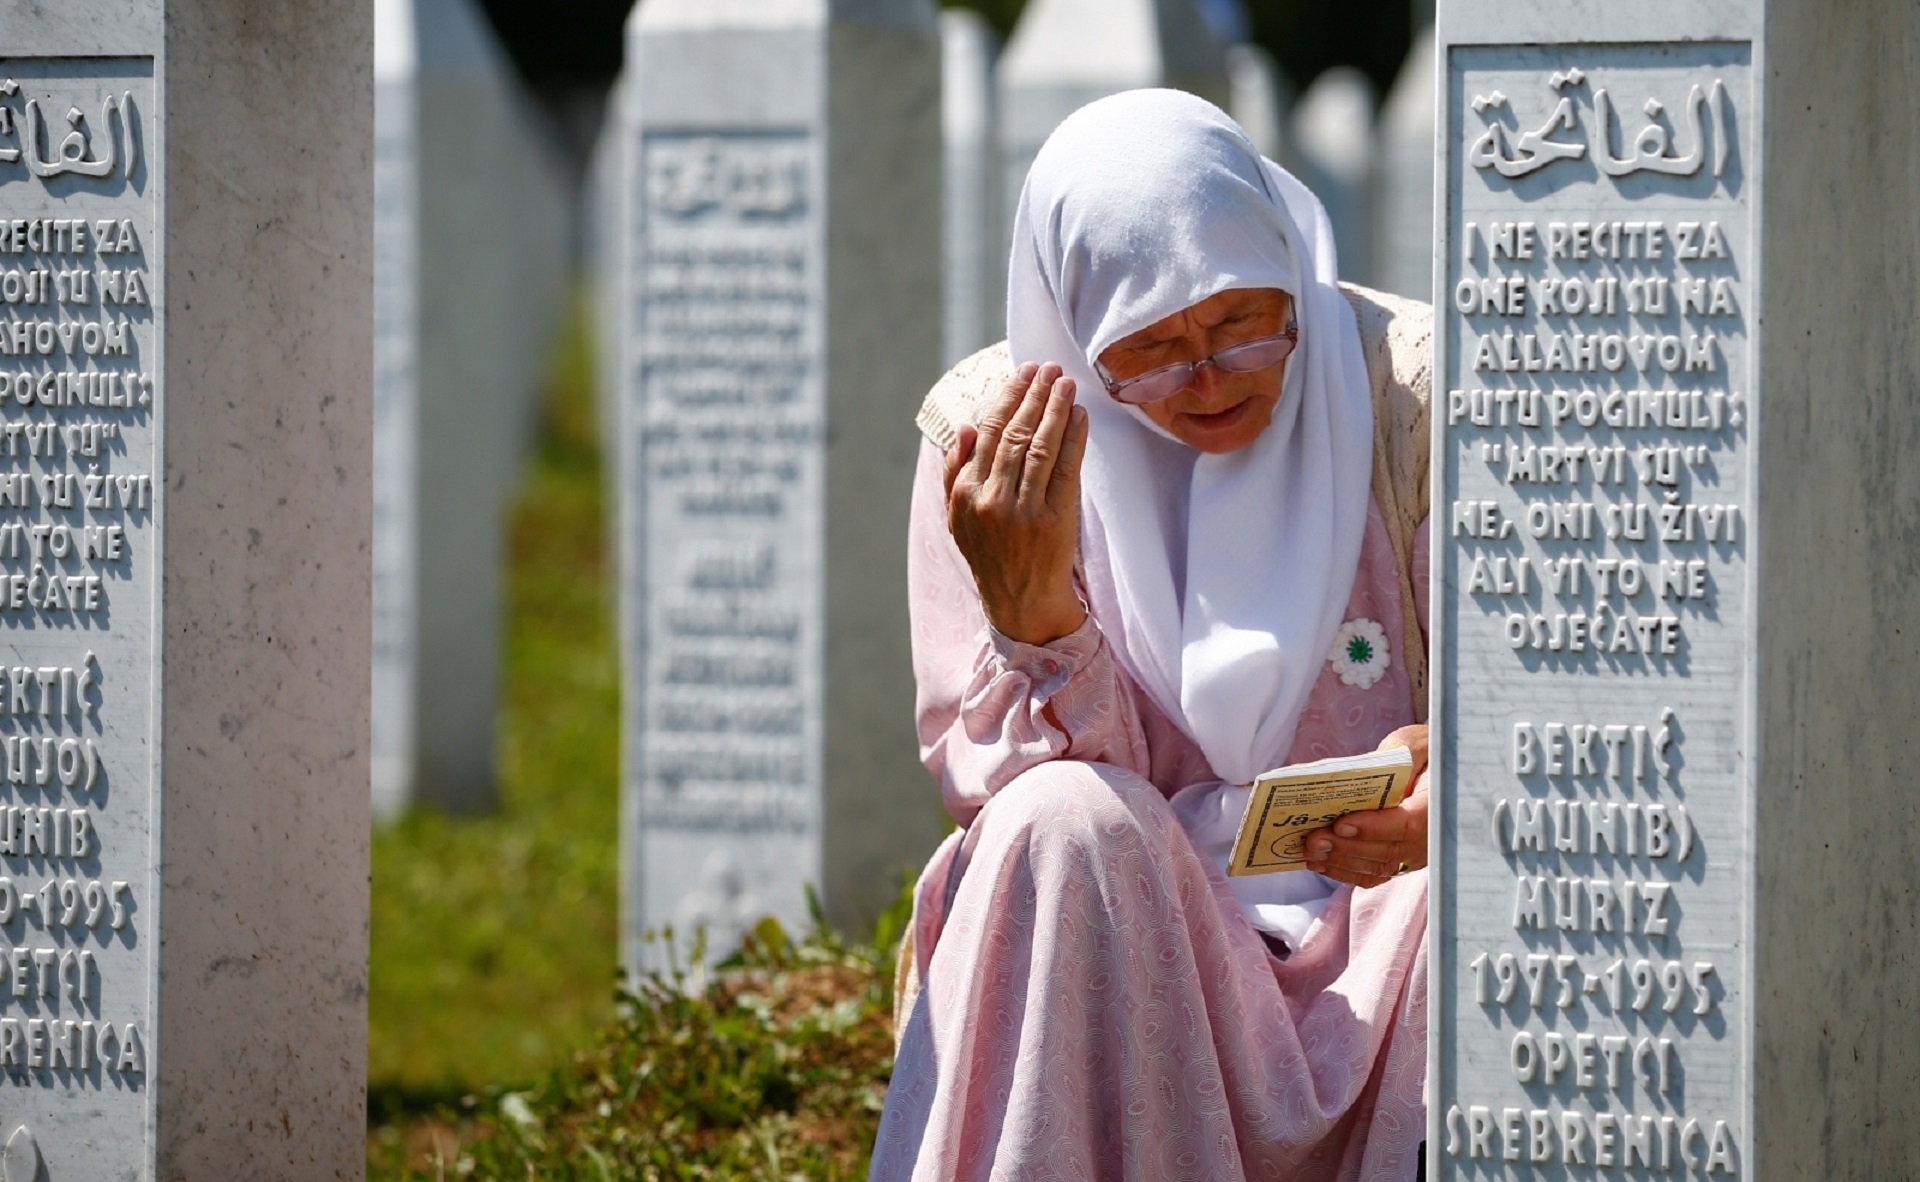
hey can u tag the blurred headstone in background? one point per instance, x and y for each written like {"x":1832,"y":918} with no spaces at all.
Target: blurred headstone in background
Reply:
{"x":1403,"y":182}
{"x":606,"y":264}
{"x":470,"y":270}
{"x":395,"y":313}
{"x":1260,"y":96}
{"x":782,"y":205}
{"x":976,"y":244}
{"x":1066,"y":53}
{"x":1226,"y":19}
{"x":1332,"y":129}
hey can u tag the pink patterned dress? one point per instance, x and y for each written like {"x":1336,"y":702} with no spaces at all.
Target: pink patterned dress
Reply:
{"x":1095,"y":1003}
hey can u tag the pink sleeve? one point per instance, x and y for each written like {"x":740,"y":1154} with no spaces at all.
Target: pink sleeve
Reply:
{"x":1422,"y":575}
{"x":990,"y":707}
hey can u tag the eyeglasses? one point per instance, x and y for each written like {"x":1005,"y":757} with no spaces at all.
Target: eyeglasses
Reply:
{"x":1157,"y":385}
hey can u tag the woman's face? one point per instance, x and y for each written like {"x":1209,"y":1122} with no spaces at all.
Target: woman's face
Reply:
{"x":1218,"y":411}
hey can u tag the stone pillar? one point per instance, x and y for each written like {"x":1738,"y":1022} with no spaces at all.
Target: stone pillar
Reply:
{"x":1066,"y":53}
{"x":1333,"y":138}
{"x":607,"y":266}
{"x":1674,"y":685}
{"x":784,"y":212}
{"x":1260,"y":96}
{"x":185,"y":191}
{"x":471,"y":280}
{"x":1226,"y":20}
{"x":1403,"y":181}
{"x":976,"y":238}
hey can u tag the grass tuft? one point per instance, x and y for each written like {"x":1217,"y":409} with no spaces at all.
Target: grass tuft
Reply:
{"x":775,"y":1067}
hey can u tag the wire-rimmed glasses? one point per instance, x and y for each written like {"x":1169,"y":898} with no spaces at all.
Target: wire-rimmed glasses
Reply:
{"x":1157,"y":385}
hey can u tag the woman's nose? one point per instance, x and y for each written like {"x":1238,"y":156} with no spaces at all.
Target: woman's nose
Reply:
{"x":1207,"y":379}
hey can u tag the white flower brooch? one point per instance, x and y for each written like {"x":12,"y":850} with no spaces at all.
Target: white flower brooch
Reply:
{"x":1360,"y":653}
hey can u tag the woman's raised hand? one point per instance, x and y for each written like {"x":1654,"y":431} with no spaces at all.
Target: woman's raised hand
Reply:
{"x":1368,"y":848}
{"x":1013,"y":504}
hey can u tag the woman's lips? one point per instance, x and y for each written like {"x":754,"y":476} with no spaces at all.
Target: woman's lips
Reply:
{"x":1218,"y":419}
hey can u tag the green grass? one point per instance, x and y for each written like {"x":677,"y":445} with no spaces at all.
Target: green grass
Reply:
{"x":774,"y":1067}
{"x":493,"y":936}
{"x":496,"y":1047}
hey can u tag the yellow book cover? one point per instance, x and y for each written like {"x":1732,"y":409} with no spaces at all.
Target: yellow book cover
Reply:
{"x":1288,"y":803}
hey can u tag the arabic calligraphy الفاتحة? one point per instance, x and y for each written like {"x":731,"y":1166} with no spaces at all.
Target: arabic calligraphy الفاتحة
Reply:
{"x":1651,"y":149}
{"x":89,"y":148}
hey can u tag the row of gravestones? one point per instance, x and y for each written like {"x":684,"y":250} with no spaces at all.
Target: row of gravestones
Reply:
{"x":461,"y":333}
{"x":740,"y":315}
{"x":997,"y":108}
{"x":471,"y":223}
{"x":1674,"y":678}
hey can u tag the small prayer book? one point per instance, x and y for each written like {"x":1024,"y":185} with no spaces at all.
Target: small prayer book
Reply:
{"x":1288,"y":803}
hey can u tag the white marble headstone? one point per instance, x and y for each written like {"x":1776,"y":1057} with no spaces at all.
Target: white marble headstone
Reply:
{"x":184,"y":408}
{"x":1599,"y":373}
{"x":975,"y":241}
{"x":782,"y":204}
{"x":81,"y":263}
{"x":1333,"y":140}
{"x":607,"y":269}
{"x":1226,"y":20}
{"x":463,"y":333}
{"x":1260,"y":97}
{"x":1064,"y":54}
{"x":1674,"y":690}
{"x":1403,"y":180}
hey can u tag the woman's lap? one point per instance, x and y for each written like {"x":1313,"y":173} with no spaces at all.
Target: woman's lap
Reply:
{"x":1096,"y":1006}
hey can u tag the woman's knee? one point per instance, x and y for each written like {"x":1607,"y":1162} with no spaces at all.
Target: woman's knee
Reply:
{"x":1075,"y":802}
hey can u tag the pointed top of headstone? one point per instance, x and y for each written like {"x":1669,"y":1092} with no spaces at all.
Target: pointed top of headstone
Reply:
{"x":1113,"y":44}
{"x":1261,"y":96}
{"x":726,"y":14}
{"x":1084,"y":42}
{"x":394,"y":50}
{"x":780,"y":14}
{"x":1333,"y":123}
{"x":966,"y":74}
{"x":1403,"y":214}
{"x":433,"y":36}
{"x":974,"y":246}
{"x":1408,"y":110}
{"x":1227,"y":19}
{"x":922,"y":15}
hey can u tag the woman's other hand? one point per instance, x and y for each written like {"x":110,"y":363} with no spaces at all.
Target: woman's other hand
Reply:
{"x":1013,"y":504}
{"x":1368,"y":848}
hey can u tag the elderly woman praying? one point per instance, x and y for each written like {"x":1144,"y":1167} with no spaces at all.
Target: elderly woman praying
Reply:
{"x":1198,"y":463}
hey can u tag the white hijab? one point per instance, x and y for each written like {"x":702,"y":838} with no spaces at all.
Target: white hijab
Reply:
{"x":1220,"y":580}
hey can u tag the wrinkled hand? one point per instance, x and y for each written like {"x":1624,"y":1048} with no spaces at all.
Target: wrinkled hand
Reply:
{"x":1013,"y":504}
{"x":1368,"y":848}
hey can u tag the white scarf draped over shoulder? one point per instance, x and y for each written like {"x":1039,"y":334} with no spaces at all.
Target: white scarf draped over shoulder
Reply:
{"x":1219,"y":580}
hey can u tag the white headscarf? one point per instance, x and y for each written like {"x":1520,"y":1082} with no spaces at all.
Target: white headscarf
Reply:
{"x":1220,"y":580}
